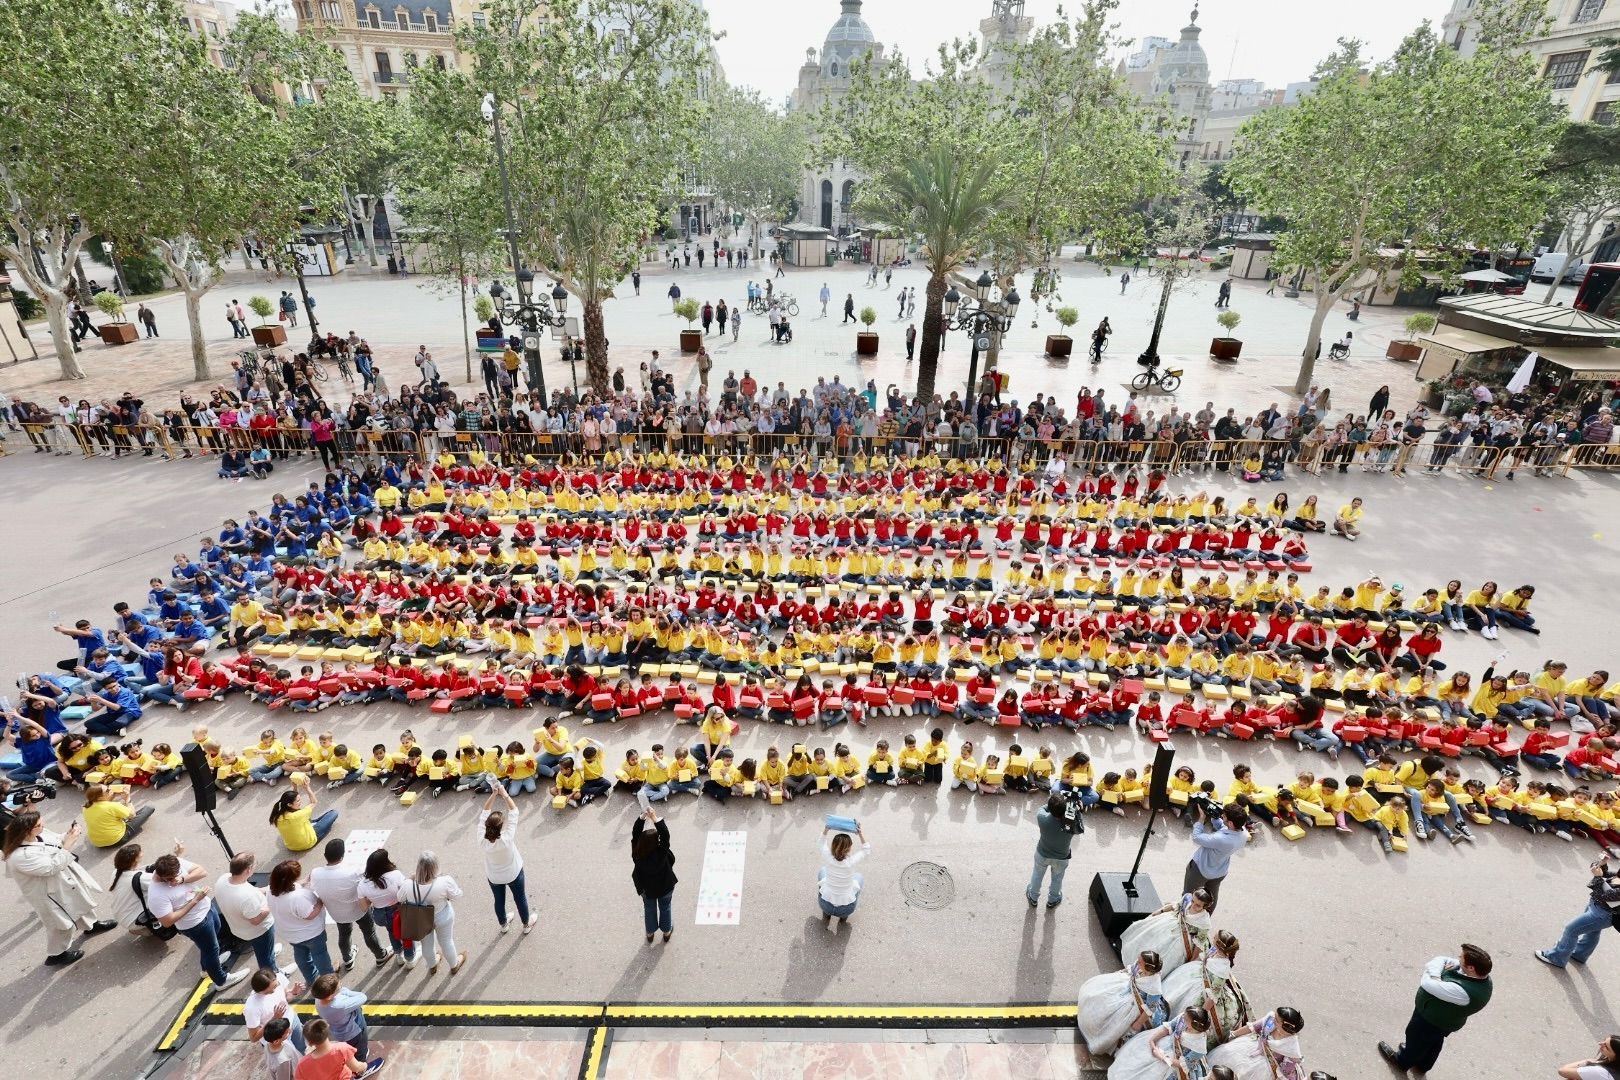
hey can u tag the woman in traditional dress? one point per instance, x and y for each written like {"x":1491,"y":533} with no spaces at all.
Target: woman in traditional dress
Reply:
{"x":1118,"y":1004}
{"x":1267,"y":1049}
{"x":1172,"y":1051}
{"x":1209,"y":982}
{"x":1178,"y":932}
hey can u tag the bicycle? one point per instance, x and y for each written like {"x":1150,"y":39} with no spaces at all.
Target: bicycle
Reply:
{"x":790,"y":306}
{"x":1099,"y":348}
{"x":1168,"y":380}
{"x":250,"y":361}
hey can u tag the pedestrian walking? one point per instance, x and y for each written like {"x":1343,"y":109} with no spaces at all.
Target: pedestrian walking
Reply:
{"x":1124,"y":280}
{"x":503,"y":864}
{"x":1580,"y":936}
{"x":888,"y":276}
{"x":721,"y":315}
{"x":289,"y":309}
{"x":707,"y":313}
{"x":237,"y":329}
{"x":1271,"y":286}
{"x":838,"y":884}
{"x":902,"y":312}
{"x":1452,"y":989}
{"x":379,"y":887}
{"x":1051,"y":852}
{"x":674,"y":295}
{"x":849,"y":308}
{"x":653,"y":872}
{"x":700,"y":258}
{"x":911,"y":341}
{"x":911,"y":302}
{"x":148,"y":320}
{"x":635,"y":279}
{"x":53,"y":883}
{"x":338,"y":888}
{"x":736,"y":322}
{"x":826,"y":294}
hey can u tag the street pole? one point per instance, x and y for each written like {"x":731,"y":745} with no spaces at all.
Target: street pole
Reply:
{"x":531,"y":326}
{"x":973,"y":362}
{"x":1151,"y":353}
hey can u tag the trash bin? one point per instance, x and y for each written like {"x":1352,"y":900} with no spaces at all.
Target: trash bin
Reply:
{"x":393,"y":265}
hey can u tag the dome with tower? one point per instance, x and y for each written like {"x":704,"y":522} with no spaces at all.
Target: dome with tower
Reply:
{"x":848,"y":39}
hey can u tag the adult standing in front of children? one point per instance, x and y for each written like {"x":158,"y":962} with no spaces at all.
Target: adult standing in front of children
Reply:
{"x":503,"y":863}
{"x":839,"y":885}
{"x":61,"y":892}
{"x":653,"y":873}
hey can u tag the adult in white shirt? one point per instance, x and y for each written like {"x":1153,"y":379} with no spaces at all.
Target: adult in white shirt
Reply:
{"x":61,"y":892}
{"x":437,"y":891}
{"x":503,"y":864}
{"x":245,"y":910}
{"x":379,"y":887}
{"x":338,"y":887}
{"x":840,"y":885}
{"x":271,"y":997}
{"x":301,"y":917}
{"x":1605,"y":1065}
{"x":175,"y":898}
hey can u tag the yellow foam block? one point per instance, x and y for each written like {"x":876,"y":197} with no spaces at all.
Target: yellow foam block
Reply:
{"x":750,"y":787}
{"x":1333,"y":705}
{"x":1398,"y":843}
{"x":1044,"y":675}
{"x":1479,"y":818}
{"x":811,"y":664}
{"x":336,"y":656}
{"x":262,"y":649}
{"x":310,"y":652}
{"x":684,"y":776}
{"x":1095,"y":678}
{"x":707,"y":677}
{"x":822,"y":782}
{"x":776,"y":798}
{"x":298,"y":778}
{"x":793,"y":673}
{"x":1216,"y":691}
{"x":1179,"y":686}
{"x":1111,"y":797}
{"x":407,"y":798}
{"x":1293,"y":832}
{"x":1153,"y":682}
{"x":1179,"y":798}
{"x":857,"y":781}
{"x":558,"y":802}
{"x":1314,"y":812}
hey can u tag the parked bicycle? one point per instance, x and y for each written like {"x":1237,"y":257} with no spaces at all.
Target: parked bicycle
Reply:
{"x":1168,"y":379}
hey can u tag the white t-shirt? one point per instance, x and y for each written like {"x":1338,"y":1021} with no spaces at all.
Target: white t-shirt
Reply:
{"x":387,"y":895}
{"x":125,"y":904}
{"x":260,"y":1009}
{"x":339,"y":889}
{"x":502,"y":863}
{"x":839,"y":886}
{"x":437,"y":894}
{"x":298,"y":914}
{"x":1594,"y":1072}
{"x":163,"y":900}
{"x":239,"y":902}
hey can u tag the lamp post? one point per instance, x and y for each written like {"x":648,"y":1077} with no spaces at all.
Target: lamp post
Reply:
{"x":298,"y":274}
{"x":530,"y":312}
{"x":982,"y":318}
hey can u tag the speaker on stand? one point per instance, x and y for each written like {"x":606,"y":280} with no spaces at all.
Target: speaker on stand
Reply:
{"x":1122,"y":899}
{"x":204,"y":791}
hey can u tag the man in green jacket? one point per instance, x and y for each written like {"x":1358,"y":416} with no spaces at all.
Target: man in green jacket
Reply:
{"x":1450,"y":991}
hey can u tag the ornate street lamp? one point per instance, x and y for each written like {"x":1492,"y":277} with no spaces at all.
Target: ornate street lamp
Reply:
{"x":982,"y":317}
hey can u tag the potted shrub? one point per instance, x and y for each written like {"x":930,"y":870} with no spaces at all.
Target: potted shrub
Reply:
{"x":120,"y":331}
{"x":1227,"y":347}
{"x":1419,"y":322}
{"x":866,"y":342}
{"x":1060,"y":346}
{"x":687,"y":308}
{"x":267,"y":333}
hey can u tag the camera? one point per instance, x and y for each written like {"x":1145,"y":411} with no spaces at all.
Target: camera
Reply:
{"x":34,"y":791}
{"x":1204,"y":803}
{"x":1073,"y":817}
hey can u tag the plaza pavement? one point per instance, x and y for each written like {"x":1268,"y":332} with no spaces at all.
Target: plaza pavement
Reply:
{"x":398,"y":314}
{"x":1329,"y":925}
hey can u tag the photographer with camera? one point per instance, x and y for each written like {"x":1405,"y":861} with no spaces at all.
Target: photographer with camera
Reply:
{"x":1580,"y":936}
{"x":1059,"y":821}
{"x":1217,"y":833}
{"x":60,"y":891}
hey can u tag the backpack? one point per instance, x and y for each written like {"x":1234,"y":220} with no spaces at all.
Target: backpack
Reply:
{"x":146,"y":919}
{"x":415,"y":917}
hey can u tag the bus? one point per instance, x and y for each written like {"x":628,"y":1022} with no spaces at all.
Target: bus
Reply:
{"x":1600,"y":290}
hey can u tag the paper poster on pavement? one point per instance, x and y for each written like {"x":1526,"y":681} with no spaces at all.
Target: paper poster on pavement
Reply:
{"x":720,"y":889}
{"x":359,"y":844}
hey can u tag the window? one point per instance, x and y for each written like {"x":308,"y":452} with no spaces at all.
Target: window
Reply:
{"x":1604,"y":112}
{"x":478,"y":19}
{"x":1564,"y":69}
{"x":835,"y":69}
{"x":438,"y":61}
{"x":374,"y":19}
{"x":431,"y":22}
{"x":1587,"y":11}
{"x":404,"y":20}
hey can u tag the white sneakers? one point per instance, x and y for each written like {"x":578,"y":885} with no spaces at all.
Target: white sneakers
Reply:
{"x":231,"y":979}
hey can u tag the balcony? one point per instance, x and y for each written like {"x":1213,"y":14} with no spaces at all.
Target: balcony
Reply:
{"x":388,"y":78}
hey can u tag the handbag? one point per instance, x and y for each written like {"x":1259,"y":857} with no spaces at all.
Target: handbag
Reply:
{"x":415,"y":917}
{"x":146,"y":919}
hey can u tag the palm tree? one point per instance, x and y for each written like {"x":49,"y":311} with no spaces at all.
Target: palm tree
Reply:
{"x":949,"y":205}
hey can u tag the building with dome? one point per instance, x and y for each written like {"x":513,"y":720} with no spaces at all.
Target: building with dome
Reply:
{"x":828,"y":195}
{"x":1176,"y":73}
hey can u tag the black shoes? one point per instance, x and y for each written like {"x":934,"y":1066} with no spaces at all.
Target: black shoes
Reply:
{"x":62,"y":959}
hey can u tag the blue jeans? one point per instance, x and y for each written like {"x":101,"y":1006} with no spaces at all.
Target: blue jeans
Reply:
{"x":839,"y":911}
{"x":514,"y":786}
{"x":1580,"y":937}
{"x":264,"y":948}
{"x":519,"y":896}
{"x":1059,"y":867}
{"x":384,"y":917}
{"x":312,"y":957}
{"x":205,"y":935}
{"x":1318,"y":739}
{"x":655,"y":913}
{"x":323,"y":824}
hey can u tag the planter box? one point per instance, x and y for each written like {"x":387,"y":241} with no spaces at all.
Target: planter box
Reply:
{"x":117,"y":333}
{"x":691,"y":340}
{"x":1404,"y":350}
{"x":1225,"y":348}
{"x":866,"y":344}
{"x":273,"y":334}
{"x":1059,"y":346}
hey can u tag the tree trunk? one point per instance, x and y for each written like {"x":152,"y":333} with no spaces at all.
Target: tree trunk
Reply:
{"x":1325,"y":299}
{"x":596,"y":348}
{"x":21,"y":259}
{"x":928,"y":350}
{"x":199,"y":344}
{"x":56,"y":316}
{"x":177,"y":259}
{"x":466,"y":340}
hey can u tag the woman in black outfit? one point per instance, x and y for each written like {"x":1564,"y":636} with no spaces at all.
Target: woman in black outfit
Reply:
{"x":654,"y":873}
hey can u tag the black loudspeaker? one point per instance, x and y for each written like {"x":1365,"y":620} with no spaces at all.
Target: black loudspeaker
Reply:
{"x":195,"y":759}
{"x":1159,"y":790}
{"x":1118,"y":904}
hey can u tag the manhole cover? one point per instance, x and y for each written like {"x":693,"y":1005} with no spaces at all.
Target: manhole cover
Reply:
{"x":927,"y":885}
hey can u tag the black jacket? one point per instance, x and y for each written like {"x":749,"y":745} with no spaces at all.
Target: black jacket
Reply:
{"x":654,"y":875}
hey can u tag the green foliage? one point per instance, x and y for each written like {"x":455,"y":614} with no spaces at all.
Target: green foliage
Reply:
{"x":751,"y":155}
{"x":687,"y":308}
{"x":1228,"y":320}
{"x":483,"y":307}
{"x":868,"y":316}
{"x":27,"y":307}
{"x":262,"y":307}
{"x":1066,"y":316}
{"x":110,"y":304}
{"x":1419,"y":322}
{"x":143,"y":271}
{"x":1427,"y":151}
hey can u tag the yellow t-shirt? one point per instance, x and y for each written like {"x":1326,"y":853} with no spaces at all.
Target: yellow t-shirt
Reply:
{"x":296,"y":831}
{"x":104,"y":822}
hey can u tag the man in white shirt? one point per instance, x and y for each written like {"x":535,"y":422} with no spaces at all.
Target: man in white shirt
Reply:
{"x":338,"y":886}
{"x":245,"y":910}
{"x":175,"y":900}
{"x":271,"y":998}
